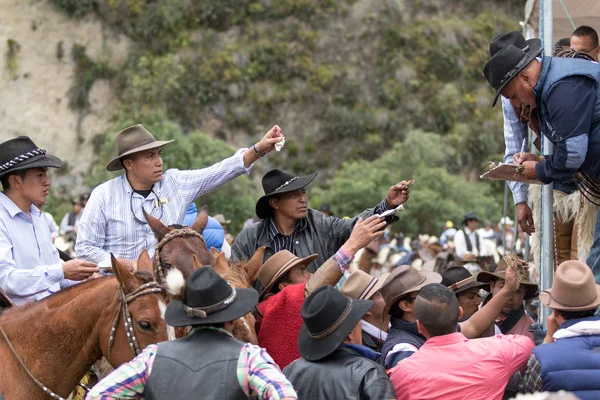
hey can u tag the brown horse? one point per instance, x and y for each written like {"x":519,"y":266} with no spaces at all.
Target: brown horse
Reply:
{"x":176,"y":244}
{"x":59,"y":338}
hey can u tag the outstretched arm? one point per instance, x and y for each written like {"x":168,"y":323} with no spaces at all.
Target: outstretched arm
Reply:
{"x":363,"y":233}
{"x":482,"y":319}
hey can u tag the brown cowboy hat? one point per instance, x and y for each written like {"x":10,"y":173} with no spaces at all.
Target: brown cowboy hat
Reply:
{"x":531,"y":289}
{"x":132,"y":140}
{"x":362,"y":286}
{"x":467,"y":258}
{"x":403,"y":280}
{"x":276,"y":266}
{"x":573,"y":288}
{"x":458,"y":279}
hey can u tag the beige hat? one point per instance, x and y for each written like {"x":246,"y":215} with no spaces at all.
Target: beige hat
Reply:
{"x":530,"y":288}
{"x":132,"y":140}
{"x":221,"y":219}
{"x":403,"y":280}
{"x":573,"y":289}
{"x":362,"y":286}
{"x":276,"y":266}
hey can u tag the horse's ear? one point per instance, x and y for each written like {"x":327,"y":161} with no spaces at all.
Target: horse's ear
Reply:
{"x":125,"y":278}
{"x":252,"y":267}
{"x":144,"y":262}
{"x":201,"y":221}
{"x":221,"y":263}
{"x":197,"y":263}
{"x":159,"y":229}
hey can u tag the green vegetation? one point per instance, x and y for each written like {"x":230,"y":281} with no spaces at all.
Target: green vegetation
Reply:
{"x":12,"y":52}
{"x":368,"y":93}
{"x":86,"y":73}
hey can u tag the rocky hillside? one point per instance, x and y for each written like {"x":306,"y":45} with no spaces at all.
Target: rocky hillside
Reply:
{"x":353,"y":83}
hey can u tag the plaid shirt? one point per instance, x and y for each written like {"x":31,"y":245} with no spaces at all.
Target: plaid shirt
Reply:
{"x":515,"y":132}
{"x":532,"y":382}
{"x":257,"y":373}
{"x":108,"y":224}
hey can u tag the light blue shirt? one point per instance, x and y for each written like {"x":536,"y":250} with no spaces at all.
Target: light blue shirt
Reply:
{"x":108,"y":225}
{"x":30,"y":268}
{"x":514,"y":133}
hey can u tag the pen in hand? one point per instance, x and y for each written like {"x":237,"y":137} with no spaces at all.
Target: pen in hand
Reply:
{"x":522,"y":150}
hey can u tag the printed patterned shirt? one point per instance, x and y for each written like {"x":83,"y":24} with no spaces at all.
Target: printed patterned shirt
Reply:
{"x":257,"y":373}
{"x":532,"y":381}
{"x":111,"y":219}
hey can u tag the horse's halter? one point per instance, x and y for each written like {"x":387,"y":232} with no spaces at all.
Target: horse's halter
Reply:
{"x":147,"y":288}
{"x":159,"y":266}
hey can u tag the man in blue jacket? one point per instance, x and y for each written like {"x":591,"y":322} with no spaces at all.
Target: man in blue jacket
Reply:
{"x":569,"y":358}
{"x":566,"y":94}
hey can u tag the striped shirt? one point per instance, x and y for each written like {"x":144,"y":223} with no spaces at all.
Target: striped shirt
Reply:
{"x":515,"y":132}
{"x":257,"y":374}
{"x":110,"y":220}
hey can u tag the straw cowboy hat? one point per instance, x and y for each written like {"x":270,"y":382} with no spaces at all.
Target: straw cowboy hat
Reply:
{"x":573,"y":288}
{"x":531,"y":289}
{"x":458,"y":279}
{"x":276,"y":266}
{"x":277,"y":182}
{"x":403,"y":280}
{"x":21,"y":153}
{"x":209,"y":300}
{"x":509,"y":56}
{"x":132,"y":140}
{"x":362,"y":286}
{"x":221,"y":219}
{"x":329,"y":317}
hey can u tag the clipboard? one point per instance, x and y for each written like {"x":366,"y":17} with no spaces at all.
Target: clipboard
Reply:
{"x":507,"y":172}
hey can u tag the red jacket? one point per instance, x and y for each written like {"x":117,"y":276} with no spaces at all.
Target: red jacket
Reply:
{"x":280,"y":324}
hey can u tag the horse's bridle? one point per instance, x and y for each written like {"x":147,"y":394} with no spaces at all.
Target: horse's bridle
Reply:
{"x":159,"y":266}
{"x":147,"y":288}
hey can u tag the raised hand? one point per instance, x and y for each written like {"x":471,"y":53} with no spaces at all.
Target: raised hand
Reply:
{"x":398,"y":194}
{"x":363,"y":233}
{"x":267,"y":143}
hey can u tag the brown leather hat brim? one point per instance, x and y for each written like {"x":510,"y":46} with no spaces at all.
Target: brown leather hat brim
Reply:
{"x":430,"y":277}
{"x":299,"y":261}
{"x":116,"y":165}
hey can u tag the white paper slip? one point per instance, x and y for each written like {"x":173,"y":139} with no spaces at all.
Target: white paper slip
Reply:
{"x":392,"y":211}
{"x":279,"y":145}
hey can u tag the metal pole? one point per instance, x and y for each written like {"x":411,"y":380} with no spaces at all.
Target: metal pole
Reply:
{"x":504,"y":219}
{"x":546,"y":261}
{"x":516,"y":233}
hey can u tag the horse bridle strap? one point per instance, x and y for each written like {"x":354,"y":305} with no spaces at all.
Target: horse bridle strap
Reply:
{"x":159,"y":272}
{"x":147,"y":288}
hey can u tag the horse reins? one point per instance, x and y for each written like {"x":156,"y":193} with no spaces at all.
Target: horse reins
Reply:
{"x":159,"y":271}
{"x":147,"y":288}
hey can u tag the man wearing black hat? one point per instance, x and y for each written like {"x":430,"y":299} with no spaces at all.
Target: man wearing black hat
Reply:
{"x":468,"y":240}
{"x":289,"y":224}
{"x":27,"y":275}
{"x":334,"y":365}
{"x":555,"y":86}
{"x":208,"y":363}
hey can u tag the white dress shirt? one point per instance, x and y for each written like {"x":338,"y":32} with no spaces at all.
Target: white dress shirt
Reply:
{"x":108,"y":225}
{"x":460,"y":244}
{"x":30,"y":268}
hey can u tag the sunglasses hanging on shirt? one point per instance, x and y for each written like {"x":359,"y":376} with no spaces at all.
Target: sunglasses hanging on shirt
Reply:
{"x":158,"y":203}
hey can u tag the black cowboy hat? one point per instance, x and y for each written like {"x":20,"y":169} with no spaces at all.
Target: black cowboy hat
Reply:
{"x":276,"y":182}
{"x":516,"y":39}
{"x":459,"y":279}
{"x":506,"y":64}
{"x":329,"y":317}
{"x":21,"y":153}
{"x":210,"y":300}
{"x":469,"y":217}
